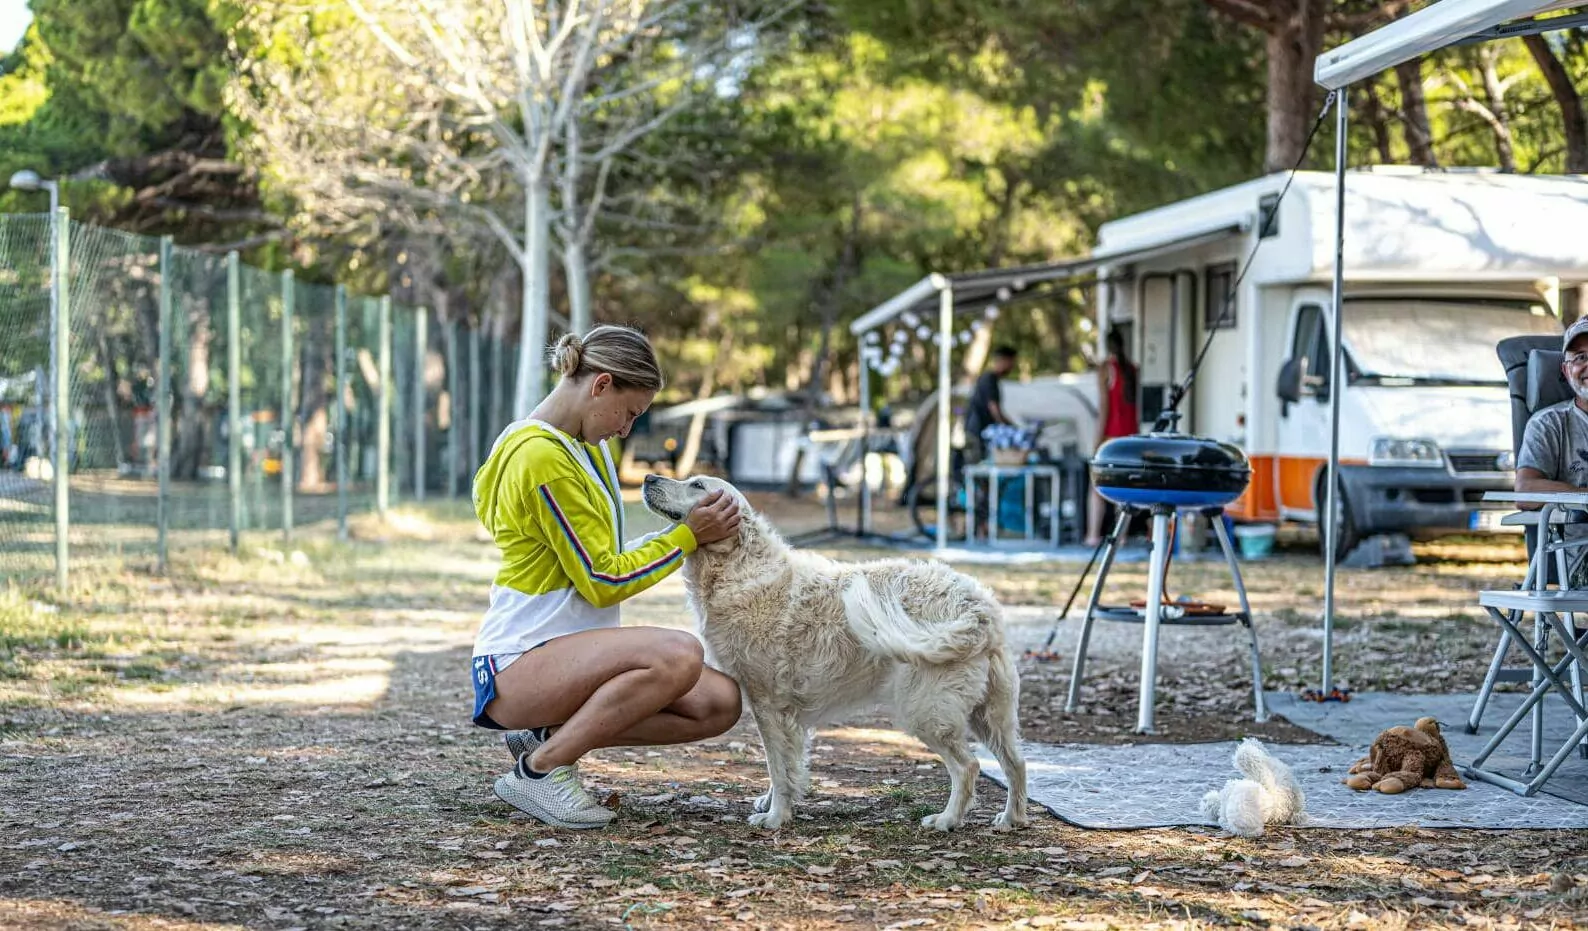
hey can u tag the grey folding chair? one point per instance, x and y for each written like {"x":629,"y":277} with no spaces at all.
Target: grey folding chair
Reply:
{"x":1533,"y":373}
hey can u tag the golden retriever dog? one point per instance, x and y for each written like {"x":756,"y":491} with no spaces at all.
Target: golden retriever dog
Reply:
{"x":809,"y":639}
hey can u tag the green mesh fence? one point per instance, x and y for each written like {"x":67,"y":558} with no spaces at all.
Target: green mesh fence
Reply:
{"x":312,"y":402}
{"x":112,"y":353}
{"x":198,"y":499}
{"x":363,"y":399}
{"x":26,"y":498}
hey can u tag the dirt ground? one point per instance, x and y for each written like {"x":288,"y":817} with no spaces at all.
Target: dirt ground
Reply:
{"x":279,"y":740}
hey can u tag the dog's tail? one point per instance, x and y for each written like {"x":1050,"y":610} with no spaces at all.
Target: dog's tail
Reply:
{"x":1252,"y":759}
{"x":1285,"y":800}
{"x":883,"y":628}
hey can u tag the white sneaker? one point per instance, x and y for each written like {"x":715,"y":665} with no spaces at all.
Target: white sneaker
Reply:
{"x":557,"y":798}
{"x":522,"y":742}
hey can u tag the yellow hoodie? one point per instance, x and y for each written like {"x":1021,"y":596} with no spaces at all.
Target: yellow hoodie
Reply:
{"x":552,"y":505}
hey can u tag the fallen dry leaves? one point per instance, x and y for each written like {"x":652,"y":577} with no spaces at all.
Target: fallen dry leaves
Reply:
{"x":230,"y":784}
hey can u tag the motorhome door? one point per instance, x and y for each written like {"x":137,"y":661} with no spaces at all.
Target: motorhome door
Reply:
{"x":1303,"y":422}
{"x":1164,"y":349}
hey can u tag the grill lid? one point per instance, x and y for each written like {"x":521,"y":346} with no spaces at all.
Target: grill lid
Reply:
{"x":1170,"y":469}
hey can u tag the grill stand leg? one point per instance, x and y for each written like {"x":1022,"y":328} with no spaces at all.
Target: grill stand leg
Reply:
{"x":1154,"y":612}
{"x":1110,"y":549}
{"x":1245,"y":617}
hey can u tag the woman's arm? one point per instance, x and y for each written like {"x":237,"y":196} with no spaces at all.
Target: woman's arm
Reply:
{"x":581,"y":535}
{"x":1102,"y":404}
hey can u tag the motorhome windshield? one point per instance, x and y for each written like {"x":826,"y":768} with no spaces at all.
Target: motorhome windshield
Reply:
{"x":1429,"y":341}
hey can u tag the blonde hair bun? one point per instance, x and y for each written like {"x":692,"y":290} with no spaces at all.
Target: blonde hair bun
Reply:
{"x":619,"y":351}
{"x":567,"y":354}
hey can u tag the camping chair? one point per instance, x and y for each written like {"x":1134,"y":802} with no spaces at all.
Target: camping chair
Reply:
{"x":1532,"y":367}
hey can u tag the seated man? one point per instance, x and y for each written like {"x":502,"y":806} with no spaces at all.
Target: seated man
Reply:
{"x":1554,"y":454}
{"x":986,"y":408}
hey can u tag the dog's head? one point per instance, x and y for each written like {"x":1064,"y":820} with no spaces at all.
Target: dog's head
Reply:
{"x":674,"y":499}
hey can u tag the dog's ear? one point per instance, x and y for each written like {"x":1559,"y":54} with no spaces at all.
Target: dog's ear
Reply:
{"x":750,"y":528}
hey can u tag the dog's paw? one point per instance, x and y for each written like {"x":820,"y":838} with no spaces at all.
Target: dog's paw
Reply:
{"x":1004,"y":821}
{"x":763,"y":802}
{"x":942,"y":821}
{"x":769,"y":820}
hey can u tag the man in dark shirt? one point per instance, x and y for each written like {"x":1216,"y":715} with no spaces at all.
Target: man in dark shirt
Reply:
{"x":986,"y":403}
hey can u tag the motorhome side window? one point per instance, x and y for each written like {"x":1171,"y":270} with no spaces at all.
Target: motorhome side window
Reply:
{"x":1311,"y":342}
{"x":1219,"y":311}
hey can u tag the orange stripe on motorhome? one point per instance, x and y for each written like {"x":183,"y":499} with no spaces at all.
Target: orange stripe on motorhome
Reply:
{"x":1257,"y":501}
{"x":1297,"y":477}
{"x":1293,"y":480}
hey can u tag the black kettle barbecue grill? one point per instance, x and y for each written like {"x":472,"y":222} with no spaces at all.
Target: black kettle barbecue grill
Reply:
{"x":1165,"y":474}
{"x":1170,"y":470}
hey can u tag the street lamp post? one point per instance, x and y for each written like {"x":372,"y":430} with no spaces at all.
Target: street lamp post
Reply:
{"x":56,"y":432}
{"x":28,"y":180}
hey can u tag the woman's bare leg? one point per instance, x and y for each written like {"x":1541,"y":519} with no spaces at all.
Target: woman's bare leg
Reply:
{"x":1094,"y":518}
{"x":614,"y":687}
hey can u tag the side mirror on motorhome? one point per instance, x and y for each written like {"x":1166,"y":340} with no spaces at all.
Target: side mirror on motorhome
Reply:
{"x":1290,"y":383}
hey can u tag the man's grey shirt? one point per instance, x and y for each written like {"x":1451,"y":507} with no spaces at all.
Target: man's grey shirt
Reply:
{"x":1556,"y":444}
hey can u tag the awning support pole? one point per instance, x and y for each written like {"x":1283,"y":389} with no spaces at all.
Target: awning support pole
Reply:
{"x":945,"y":400}
{"x":1331,"y":523}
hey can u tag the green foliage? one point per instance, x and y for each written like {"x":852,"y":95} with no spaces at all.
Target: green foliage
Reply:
{"x":42,"y":126}
{"x":144,"y":68}
{"x":852,"y":148}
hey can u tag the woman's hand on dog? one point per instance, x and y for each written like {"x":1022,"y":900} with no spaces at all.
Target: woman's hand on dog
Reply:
{"x":715,"y":518}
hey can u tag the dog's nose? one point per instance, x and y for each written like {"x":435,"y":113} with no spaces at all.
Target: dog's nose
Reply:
{"x":651,"y":479}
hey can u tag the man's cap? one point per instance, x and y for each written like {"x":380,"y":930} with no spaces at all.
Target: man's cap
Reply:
{"x":1577,"y":329}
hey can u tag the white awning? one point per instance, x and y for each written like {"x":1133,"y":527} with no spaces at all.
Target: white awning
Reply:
{"x":1447,"y":22}
{"x":974,"y":290}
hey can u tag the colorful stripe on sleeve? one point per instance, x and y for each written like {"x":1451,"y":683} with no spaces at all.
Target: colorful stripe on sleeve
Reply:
{"x":584,"y":556}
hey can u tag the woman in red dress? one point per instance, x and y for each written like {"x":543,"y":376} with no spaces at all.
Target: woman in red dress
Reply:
{"x":1117,"y":415}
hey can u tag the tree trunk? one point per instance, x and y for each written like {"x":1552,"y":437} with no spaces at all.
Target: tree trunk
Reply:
{"x":107,"y":361}
{"x":1293,"y":46}
{"x":1573,"y":120}
{"x":848,"y":259}
{"x":575,"y":265}
{"x":193,"y":426}
{"x":535,"y":262}
{"x":576,"y":268}
{"x":1501,"y":121}
{"x":314,"y":401}
{"x":1414,"y":113}
{"x":697,"y":423}
{"x":1377,"y":122}
{"x":498,"y":368}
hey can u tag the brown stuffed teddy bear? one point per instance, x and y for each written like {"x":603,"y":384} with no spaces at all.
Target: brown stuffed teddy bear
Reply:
{"x":1407,"y":758}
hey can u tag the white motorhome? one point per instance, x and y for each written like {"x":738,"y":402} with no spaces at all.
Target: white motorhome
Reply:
{"x":1438,"y":268}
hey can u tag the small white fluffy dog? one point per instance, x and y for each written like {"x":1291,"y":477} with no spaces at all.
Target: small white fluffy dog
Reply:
{"x":809,"y":638}
{"x":1268,"y":795}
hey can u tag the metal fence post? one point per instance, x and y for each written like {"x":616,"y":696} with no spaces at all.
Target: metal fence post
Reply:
{"x":60,"y":356}
{"x":340,"y":437}
{"x":383,"y":414}
{"x":234,"y":395}
{"x":162,"y":395}
{"x":421,"y":319}
{"x":454,"y":431}
{"x":475,"y":421}
{"x":288,"y":299}
{"x":498,"y":379}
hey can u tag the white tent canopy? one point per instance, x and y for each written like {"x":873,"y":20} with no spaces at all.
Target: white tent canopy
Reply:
{"x":1442,"y":24}
{"x":976,"y":289}
{"x":1450,"y":22}
{"x":949,"y":294}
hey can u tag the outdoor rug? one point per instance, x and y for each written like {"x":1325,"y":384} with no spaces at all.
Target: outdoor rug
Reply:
{"x":1155,"y":785}
{"x":1358,"y":721}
